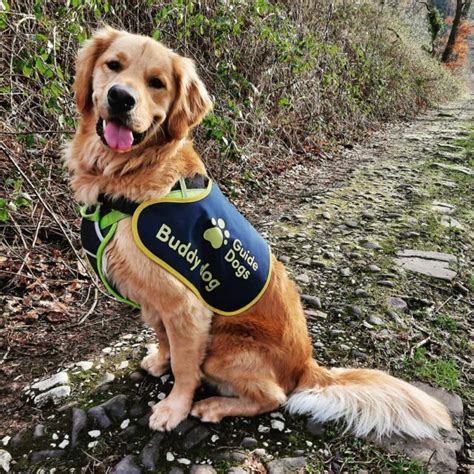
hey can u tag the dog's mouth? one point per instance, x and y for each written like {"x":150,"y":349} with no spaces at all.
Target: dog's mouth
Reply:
{"x":117,"y":136}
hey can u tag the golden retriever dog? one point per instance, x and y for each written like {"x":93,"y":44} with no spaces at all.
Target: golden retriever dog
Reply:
{"x":260,"y":359}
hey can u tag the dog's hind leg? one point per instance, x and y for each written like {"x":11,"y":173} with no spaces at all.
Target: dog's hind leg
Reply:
{"x":248,"y":378}
{"x":157,"y":362}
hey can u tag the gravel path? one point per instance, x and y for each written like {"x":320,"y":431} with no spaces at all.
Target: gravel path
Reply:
{"x":384,"y":263}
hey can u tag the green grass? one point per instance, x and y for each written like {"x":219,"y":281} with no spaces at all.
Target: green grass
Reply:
{"x":446,"y":322}
{"x":442,"y":373}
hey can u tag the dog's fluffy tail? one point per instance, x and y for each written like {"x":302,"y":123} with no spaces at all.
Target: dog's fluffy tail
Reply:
{"x":369,"y":401}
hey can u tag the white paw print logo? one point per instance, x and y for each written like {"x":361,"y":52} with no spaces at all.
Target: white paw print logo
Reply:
{"x":217,"y":235}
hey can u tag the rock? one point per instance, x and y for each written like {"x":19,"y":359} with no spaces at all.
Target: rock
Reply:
{"x":376,"y":321}
{"x":196,"y":436}
{"x":440,"y":455}
{"x":79,"y":422}
{"x":303,"y":278}
{"x":326,"y":215}
{"x":284,"y":259}
{"x":249,"y":443}
{"x":312,"y":301}
{"x":433,"y":264}
{"x":448,"y":221}
{"x":360,"y":292}
{"x":346,"y":272}
{"x":60,"y":378}
{"x":351,"y":223}
{"x":63,"y":444}
{"x":99,"y":417}
{"x":40,"y":456}
{"x":55,"y":395}
{"x":237,"y":470}
{"x":442,"y":207}
{"x":371,"y":245}
{"x":410,"y":234}
{"x":355,"y":311}
{"x":5,"y":459}
{"x":315,"y":428}
{"x":459,"y":169}
{"x":202,"y":469}
{"x":184,"y":461}
{"x":19,"y":440}
{"x":263,"y":429}
{"x":127,"y":466}
{"x":106,"y":379}
{"x":374,"y":268}
{"x":315,"y":314}
{"x":85,"y":365}
{"x":286,"y":465}
{"x":151,"y":452}
{"x":428,"y":255}
{"x":130,"y":431}
{"x":232,"y":456}
{"x":94,"y":433}
{"x":185,"y":426}
{"x":397,"y":303}
{"x":277,"y":425}
{"x":39,"y":432}
{"x":124,"y":424}
{"x":304,"y":261}
{"x":144,"y":420}
{"x":116,"y":407}
{"x":136,"y":376}
{"x":138,"y":409}
{"x":387,"y":283}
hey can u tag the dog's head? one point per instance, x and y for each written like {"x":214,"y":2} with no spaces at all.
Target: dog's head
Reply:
{"x":134,"y":88}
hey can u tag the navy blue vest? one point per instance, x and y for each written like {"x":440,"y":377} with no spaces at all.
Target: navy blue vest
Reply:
{"x":208,"y":245}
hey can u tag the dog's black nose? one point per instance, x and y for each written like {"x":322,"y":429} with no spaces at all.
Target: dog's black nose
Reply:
{"x":121,"y":100}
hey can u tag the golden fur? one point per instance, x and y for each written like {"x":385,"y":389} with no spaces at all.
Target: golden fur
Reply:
{"x":259,"y":358}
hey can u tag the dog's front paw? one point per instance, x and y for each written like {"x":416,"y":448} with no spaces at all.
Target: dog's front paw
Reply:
{"x":154,"y":364}
{"x":168,"y":414}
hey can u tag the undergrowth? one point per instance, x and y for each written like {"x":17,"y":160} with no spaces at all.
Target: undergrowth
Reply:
{"x":288,"y":78}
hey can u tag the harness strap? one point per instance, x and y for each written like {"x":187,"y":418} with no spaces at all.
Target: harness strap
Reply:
{"x":127,"y":206}
{"x":110,"y":211}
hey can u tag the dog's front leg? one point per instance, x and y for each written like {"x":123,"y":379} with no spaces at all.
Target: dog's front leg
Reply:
{"x":188,"y":333}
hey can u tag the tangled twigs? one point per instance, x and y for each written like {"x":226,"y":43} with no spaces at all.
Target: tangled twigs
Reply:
{"x":50,"y":211}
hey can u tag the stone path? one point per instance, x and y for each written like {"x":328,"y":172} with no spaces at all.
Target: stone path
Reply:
{"x":387,"y":283}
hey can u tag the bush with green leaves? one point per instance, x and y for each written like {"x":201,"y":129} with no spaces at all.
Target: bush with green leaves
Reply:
{"x":286,"y":77}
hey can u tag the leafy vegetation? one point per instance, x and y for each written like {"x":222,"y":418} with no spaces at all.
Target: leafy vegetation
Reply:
{"x":443,"y":373}
{"x":286,"y":77}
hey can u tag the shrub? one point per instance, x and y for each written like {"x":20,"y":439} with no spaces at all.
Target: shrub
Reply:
{"x":287,"y":77}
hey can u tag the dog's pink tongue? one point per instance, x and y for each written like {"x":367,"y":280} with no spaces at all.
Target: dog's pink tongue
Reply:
{"x":118,"y":137}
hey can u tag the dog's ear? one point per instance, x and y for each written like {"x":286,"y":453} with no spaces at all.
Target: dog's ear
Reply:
{"x":192,"y":100}
{"x":85,"y":62}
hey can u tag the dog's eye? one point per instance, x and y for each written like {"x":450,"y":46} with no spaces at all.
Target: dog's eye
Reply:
{"x":114,"y":65}
{"x":156,"y":83}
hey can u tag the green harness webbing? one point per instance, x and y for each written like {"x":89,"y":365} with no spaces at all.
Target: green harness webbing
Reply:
{"x":109,"y":223}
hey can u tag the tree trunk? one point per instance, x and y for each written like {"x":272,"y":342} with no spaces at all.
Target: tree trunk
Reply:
{"x":460,"y":9}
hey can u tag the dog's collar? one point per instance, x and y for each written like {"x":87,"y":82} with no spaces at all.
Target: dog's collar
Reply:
{"x":127,"y":206}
